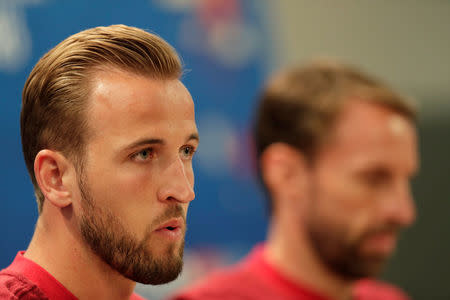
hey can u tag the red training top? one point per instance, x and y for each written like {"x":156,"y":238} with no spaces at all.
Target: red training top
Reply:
{"x":255,"y":279}
{"x":26,"y":280}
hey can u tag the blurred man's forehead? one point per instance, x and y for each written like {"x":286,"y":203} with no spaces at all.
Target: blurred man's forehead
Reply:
{"x":364,"y":120}
{"x":398,"y":125}
{"x":366,"y":132}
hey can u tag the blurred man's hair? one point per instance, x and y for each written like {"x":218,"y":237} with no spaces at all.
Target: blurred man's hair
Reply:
{"x":55,"y":94}
{"x":299,"y":105}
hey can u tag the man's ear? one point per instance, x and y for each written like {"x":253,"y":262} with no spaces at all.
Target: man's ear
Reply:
{"x":53,"y":173}
{"x":284,"y":171}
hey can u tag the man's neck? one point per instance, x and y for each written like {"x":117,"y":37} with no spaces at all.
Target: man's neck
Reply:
{"x":289,"y":250}
{"x":62,"y":253}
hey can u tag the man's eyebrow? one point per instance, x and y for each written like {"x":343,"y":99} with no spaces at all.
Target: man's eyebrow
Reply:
{"x":157,"y":141}
{"x":145,"y":141}
{"x":193,"y":136}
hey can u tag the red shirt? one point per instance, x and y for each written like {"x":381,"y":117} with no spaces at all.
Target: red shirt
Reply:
{"x":26,"y":280}
{"x":255,"y":279}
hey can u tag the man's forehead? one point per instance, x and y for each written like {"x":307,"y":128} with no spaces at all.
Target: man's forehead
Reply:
{"x":365,"y":121}
{"x":128,"y":104}
{"x":367,"y":132}
{"x":398,"y":125}
{"x":122,"y":88}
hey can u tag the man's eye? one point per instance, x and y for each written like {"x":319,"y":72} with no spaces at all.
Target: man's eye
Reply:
{"x":378,"y":177}
{"x":144,"y":154}
{"x":188,"y":151}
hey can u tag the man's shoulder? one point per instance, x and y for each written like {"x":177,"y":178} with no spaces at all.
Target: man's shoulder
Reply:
{"x":14,"y":285}
{"x":369,"y":289}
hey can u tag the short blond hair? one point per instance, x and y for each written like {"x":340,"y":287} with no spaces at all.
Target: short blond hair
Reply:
{"x":54,"y":96}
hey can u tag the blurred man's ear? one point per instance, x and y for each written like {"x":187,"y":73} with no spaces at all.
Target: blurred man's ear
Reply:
{"x":53,"y":175}
{"x":285,"y":173}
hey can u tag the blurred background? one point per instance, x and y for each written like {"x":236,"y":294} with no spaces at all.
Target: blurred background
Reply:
{"x":228,"y":48}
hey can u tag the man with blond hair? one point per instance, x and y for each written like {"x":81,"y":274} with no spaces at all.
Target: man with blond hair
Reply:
{"x":108,"y":134}
{"x":336,"y":150}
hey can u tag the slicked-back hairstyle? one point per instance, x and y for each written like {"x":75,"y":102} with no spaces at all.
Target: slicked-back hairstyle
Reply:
{"x":55,"y":94}
{"x":299,"y":105}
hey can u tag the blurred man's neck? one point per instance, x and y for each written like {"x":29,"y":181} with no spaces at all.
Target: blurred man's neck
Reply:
{"x":289,"y":250}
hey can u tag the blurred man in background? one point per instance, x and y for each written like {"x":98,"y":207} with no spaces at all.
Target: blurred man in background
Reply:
{"x":336,"y":152}
{"x":108,"y":134}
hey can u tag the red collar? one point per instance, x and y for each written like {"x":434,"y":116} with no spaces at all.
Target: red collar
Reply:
{"x":266,"y":269}
{"x":48,"y":284}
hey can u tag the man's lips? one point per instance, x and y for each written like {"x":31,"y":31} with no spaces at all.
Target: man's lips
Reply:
{"x":383,"y":243}
{"x":172,"y":224}
{"x":172,"y":230}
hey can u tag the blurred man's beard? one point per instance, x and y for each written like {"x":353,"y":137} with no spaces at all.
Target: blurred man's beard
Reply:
{"x":108,"y":238}
{"x":343,"y":257}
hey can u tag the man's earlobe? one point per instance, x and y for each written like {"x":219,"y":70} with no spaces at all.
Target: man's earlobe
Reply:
{"x":50,"y":169}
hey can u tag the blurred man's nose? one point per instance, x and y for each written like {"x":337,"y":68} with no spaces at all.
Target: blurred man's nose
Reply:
{"x":177,"y":183}
{"x":399,"y":207}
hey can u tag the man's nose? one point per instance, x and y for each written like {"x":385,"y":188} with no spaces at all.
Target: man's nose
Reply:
{"x":400,"y":208}
{"x":177,"y":183}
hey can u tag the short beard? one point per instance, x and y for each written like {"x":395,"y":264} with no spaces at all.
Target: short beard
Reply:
{"x":345,"y":258}
{"x":114,"y":244}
